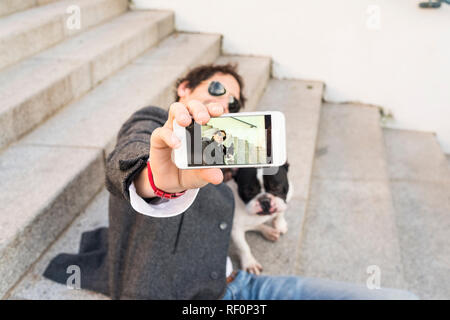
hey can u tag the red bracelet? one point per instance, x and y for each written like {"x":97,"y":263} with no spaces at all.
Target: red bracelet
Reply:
{"x":160,"y":193}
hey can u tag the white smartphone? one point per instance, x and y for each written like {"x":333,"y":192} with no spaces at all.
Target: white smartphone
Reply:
{"x":244,"y":139}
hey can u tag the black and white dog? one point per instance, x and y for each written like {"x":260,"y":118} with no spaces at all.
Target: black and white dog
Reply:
{"x":259,"y":198}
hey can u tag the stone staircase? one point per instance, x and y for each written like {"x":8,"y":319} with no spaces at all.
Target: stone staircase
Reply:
{"x":364,"y":196}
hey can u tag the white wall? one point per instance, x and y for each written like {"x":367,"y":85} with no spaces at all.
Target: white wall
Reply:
{"x":384,"y":52}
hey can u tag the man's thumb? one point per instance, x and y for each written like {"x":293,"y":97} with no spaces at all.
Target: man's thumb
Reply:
{"x":211,"y":175}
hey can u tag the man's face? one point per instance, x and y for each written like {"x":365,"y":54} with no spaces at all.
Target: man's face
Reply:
{"x":218,"y":137}
{"x":201,"y":94}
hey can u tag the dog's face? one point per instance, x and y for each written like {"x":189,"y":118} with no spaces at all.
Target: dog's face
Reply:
{"x":264,"y":197}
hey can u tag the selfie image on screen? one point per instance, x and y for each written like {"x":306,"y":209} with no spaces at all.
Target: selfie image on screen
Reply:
{"x":235,"y":140}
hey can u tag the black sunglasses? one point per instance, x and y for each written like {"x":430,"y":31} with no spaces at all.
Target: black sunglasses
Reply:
{"x":216,"y":89}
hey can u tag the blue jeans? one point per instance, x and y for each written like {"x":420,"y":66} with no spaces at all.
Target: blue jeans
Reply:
{"x":247,"y":286}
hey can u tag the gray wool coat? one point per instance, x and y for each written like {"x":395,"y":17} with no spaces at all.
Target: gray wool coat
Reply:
{"x":142,"y":257}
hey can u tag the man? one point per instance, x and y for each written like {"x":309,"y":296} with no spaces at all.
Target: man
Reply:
{"x":156,"y":248}
{"x":215,"y":151}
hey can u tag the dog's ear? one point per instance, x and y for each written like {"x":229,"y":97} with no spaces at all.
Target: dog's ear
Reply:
{"x":242,"y":175}
{"x":248,"y":184}
{"x":286,"y":165}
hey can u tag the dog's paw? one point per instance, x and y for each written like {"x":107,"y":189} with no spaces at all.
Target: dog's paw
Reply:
{"x":251,"y":265}
{"x":280,"y":225}
{"x":271,"y":234}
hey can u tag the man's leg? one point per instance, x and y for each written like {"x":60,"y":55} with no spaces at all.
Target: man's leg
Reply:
{"x":247,"y":286}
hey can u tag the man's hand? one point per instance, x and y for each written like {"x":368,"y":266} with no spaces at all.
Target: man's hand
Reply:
{"x":166,"y":175}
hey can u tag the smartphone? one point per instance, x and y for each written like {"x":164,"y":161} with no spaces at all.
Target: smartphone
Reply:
{"x":233,"y":140}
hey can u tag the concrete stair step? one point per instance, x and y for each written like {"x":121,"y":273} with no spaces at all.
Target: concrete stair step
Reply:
{"x":12,"y":6}
{"x":240,"y":151}
{"x":36,"y":209}
{"x":33,"y":285}
{"x":420,"y":182}
{"x":65,"y":155}
{"x":34,"y":89}
{"x":300,"y":101}
{"x":252,"y":153}
{"x":25,"y":33}
{"x":349,"y":224}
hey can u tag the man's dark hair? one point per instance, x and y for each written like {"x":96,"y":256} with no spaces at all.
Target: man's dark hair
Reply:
{"x":204,"y":72}
{"x":224,"y":134}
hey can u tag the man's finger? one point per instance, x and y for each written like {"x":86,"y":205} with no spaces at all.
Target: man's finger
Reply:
{"x":215,"y":109}
{"x":198,"y":111}
{"x":212,"y":175}
{"x":163,"y":137}
{"x":177,"y":108}
{"x":200,"y":177}
{"x":182,"y":116}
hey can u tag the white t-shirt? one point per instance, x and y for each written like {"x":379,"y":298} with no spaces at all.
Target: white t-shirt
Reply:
{"x":167,"y":209}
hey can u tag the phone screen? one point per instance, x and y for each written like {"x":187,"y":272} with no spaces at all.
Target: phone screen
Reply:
{"x":230,"y":140}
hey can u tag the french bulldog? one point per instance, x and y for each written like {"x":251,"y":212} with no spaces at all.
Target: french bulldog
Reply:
{"x":258,"y":199}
